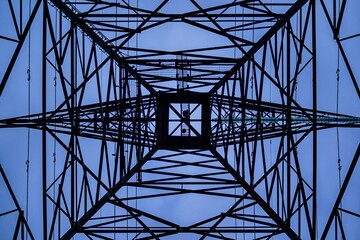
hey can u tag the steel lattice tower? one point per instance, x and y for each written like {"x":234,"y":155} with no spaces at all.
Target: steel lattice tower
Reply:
{"x":178,"y":119}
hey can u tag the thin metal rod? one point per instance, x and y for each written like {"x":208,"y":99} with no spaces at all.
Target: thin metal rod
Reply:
{"x":341,"y":193}
{"x":44,"y":170}
{"x":17,"y":205}
{"x":18,"y":47}
{"x":314,"y":93}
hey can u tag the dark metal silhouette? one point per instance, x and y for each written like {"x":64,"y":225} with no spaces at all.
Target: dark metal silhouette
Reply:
{"x":140,"y":122}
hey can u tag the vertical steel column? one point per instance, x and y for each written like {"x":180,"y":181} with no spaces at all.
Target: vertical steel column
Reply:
{"x":73,"y":123}
{"x":137,"y":125}
{"x":314,"y":212}
{"x":288,"y":123}
{"x":44,"y":184}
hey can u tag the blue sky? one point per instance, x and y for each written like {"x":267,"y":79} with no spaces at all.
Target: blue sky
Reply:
{"x":13,"y":102}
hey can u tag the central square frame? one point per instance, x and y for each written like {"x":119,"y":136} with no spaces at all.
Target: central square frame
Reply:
{"x":167,"y":141}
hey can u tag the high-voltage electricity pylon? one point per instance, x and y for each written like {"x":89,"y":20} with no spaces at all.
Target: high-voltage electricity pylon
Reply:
{"x":172,"y":119}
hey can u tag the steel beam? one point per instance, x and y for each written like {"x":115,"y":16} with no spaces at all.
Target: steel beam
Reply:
{"x":341,"y":193}
{"x":22,"y":39}
{"x":101,"y":43}
{"x":260,"y":43}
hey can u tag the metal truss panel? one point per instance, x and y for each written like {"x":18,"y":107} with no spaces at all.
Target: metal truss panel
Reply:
{"x":171,"y":119}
